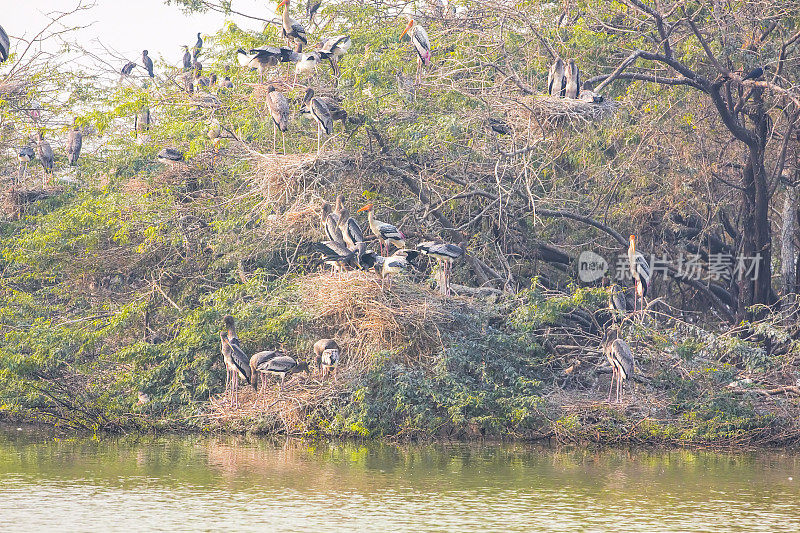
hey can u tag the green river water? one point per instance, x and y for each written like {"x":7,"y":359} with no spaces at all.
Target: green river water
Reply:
{"x":212,"y":483}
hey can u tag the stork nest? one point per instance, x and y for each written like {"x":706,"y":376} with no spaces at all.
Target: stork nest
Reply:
{"x":280,"y":177}
{"x":550,"y":109}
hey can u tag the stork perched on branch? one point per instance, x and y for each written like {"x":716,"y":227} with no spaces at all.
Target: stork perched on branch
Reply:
{"x":419,"y":38}
{"x":74,"y":144}
{"x":316,"y":107}
{"x":265,"y":58}
{"x":292,"y":30}
{"x":445,"y":254}
{"x":147,"y":63}
{"x":332,"y":49}
{"x":620,"y":357}
{"x":386,"y":233}
{"x":279,"y":111}
{"x":556,"y":82}
{"x":45,"y":153}
{"x":640,"y":271}
{"x":25,"y":156}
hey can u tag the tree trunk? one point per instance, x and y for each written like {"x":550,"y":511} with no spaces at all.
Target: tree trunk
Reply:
{"x":788,"y":249}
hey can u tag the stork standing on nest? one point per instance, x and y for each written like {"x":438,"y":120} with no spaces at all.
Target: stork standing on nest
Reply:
{"x":351,"y":231}
{"x":573,"y":79}
{"x":171,"y":156}
{"x":332,"y":49}
{"x":419,"y":38}
{"x":5,"y":45}
{"x":620,"y":357}
{"x":337,"y":254}
{"x":257,"y":359}
{"x":236,"y":364}
{"x":386,"y":233}
{"x":25,"y":156}
{"x":330,"y":223}
{"x":307,"y":64}
{"x":148,"y":64}
{"x":444,"y":254}
{"x":74,"y":144}
{"x":46,"y":156}
{"x":291,"y":30}
{"x":265,"y":58}
{"x":556,"y":82}
{"x":640,"y":271}
{"x":326,"y":355}
{"x":283,"y":366}
{"x":316,"y":107}
{"x":279,"y":111}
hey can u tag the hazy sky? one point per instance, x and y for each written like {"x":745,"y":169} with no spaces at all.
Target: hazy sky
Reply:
{"x":128,"y":26}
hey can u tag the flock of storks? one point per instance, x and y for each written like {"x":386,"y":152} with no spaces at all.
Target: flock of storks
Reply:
{"x":345,"y":246}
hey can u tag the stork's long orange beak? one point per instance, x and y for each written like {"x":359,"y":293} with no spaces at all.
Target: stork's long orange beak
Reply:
{"x":408,"y":27}
{"x":283,"y":3}
{"x":365,"y":208}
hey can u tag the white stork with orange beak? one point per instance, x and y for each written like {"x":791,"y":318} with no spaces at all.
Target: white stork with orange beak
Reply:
{"x":291,"y":29}
{"x":419,"y":38}
{"x":640,"y":271}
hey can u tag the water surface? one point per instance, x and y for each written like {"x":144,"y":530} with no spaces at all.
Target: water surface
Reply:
{"x":196,"y":483}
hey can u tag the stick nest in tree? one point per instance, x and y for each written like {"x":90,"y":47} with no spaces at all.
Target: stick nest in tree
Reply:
{"x":550,"y":109}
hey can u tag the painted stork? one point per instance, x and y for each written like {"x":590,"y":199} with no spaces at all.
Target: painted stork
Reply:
{"x":337,"y":254}
{"x":45,"y":153}
{"x":617,"y":301}
{"x":333,"y":48}
{"x":337,"y":210}
{"x":266,"y":58}
{"x":5,"y":45}
{"x":291,"y":29}
{"x":198,"y":45}
{"x":283,"y":366}
{"x":330,"y":223}
{"x":556,"y":84}
{"x":236,"y":364}
{"x":640,"y":271}
{"x":171,"y":157}
{"x":279,"y":111}
{"x":444,"y":254}
{"x":386,"y":233}
{"x":187,"y":59}
{"x":316,"y":107}
{"x":307,"y":64}
{"x":351,"y":231}
{"x":620,"y":357}
{"x":147,"y":63}
{"x":257,"y":359}
{"x":389,"y":266}
{"x":335,"y":109}
{"x":25,"y":156}
{"x":74,"y":144}
{"x":312,"y":6}
{"x":573,"y":77}
{"x":327,"y":354}
{"x":419,"y":38}
{"x":197,"y":68}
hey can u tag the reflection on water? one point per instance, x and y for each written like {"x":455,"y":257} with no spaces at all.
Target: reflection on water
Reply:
{"x":238,"y":483}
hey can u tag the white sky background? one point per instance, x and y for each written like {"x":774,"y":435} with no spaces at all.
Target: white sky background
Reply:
{"x":128,"y":26}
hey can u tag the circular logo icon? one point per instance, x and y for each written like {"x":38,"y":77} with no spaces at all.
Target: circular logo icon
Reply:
{"x":591,"y":267}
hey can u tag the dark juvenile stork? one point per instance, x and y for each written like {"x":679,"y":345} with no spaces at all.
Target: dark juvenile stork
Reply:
{"x":499,"y":126}
{"x":332,"y":49}
{"x":147,"y":63}
{"x":319,"y":111}
{"x":386,"y":233}
{"x":330,"y":223}
{"x":226,"y":84}
{"x":126,"y":70}
{"x":142,"y":121}
{"x":5,"y":45}
{"x":236,"y":364}
{"x":283,"y":366}
{"x":312,"y":6}
{"x":335,"y":109}
{"x":326,"y":356}
{"x":351,"y":231}
{"x":617,"y":302}
{"x":259,"y":359}
{"x":419,"y":38}
{"x":337,"y":254}
{"x":640,"y":271}
{"x":45,"y":153}
{"x":573,"y":78}
{"x":620,"y":357}
{"x":556,"y":84}
{"x":171,"y":156}
{"x":291,"y":30}
{"x":74,"y":144}
{"x":279,"y":111}
{"x":197,"y":47}
{"x":337,"y":210}
{"x":444,"y":254}
{"x":25,"y":156}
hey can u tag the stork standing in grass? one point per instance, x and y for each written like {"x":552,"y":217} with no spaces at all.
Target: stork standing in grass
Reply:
{"x":46,"y":156}
{"x":236,"y":364}
{"x":386,"y":233}
{"x":419,"y":38}
{"x":556,"y":83}
{"x":74,"y":144}
{"x":444,"y":254}
{"x":316,"y":107}
{"x":351,"y":231}
{"x":279,"y":111}
{"x":326,"y":356}
{"x":620,"y":357}
{"x":332,"y":49}
{"x":292,"y":30}
{"x":640,"y":271}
